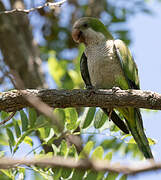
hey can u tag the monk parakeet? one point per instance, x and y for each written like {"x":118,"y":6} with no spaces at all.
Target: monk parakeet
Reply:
{"x":108,"y":63}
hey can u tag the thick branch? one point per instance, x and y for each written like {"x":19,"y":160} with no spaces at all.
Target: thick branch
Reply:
{"x":13,"y":100}
{"x":24,"y":59}
{"x":95,"y":165}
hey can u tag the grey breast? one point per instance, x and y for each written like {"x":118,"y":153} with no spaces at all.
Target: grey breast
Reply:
{"x":103,"y":65}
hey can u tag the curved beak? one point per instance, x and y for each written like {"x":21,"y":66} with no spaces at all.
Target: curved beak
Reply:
{"x":77,"y":35}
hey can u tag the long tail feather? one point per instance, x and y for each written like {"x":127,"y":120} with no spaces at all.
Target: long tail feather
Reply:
{"x":139,"y":135}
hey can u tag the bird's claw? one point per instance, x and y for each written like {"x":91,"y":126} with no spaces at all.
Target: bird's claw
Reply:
{"x":91,"y":90}
{"x":115,"y":89}
{"x":89,"y":87}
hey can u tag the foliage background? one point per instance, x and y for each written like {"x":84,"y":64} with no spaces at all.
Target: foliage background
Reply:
{"x":136,"y":22}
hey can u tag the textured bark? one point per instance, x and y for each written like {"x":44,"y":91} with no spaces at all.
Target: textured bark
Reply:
{"x":19,"y":50}
{"x":14,"y":101}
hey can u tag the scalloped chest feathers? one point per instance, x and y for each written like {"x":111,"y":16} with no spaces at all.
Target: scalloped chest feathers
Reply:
{"x":103,"y":65}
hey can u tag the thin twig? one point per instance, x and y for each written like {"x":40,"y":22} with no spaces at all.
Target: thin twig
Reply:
{"x":48,"y":4}
{"x":95,"y":165}
{"x":8,"y":118}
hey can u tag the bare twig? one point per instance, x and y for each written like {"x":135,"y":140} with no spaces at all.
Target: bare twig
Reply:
{"x":95,"y":165}
{"x":13,"y":100}
{"x":8,"y":118}
{"x":48,"y":4}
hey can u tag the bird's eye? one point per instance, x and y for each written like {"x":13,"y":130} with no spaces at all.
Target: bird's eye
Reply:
{"x":85,"y":25}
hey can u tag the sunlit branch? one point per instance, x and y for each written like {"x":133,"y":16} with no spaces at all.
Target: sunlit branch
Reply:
{"x":84,"y":164}
{"x":48,"y":4}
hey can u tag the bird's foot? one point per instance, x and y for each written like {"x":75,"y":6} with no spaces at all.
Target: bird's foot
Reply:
{"x":91,"y":90}
{"x":115,"y":89}
{"x":89,"y":87}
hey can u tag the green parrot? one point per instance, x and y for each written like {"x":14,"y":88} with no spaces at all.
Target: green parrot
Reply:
{"x":107,"y":63}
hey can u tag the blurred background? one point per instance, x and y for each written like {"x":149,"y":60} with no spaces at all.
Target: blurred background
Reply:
{"x":39,"y":47}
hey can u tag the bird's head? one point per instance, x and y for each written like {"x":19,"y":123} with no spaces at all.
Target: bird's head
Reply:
{"x":89,"y":30}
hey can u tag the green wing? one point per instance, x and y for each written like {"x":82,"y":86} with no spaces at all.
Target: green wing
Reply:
{"x":128,"y":64}
{"x":132,"y":115}
{"x":85,"y":75}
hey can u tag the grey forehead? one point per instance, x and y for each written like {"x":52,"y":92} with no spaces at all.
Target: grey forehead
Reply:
{"x":80,"y":22}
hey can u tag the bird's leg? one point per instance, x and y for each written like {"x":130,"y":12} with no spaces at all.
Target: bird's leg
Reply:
{"x":114,"y":90}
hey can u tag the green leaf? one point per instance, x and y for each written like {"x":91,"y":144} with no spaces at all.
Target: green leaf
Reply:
{"x":40,"y":174}
{"x":44,"y":132}
{"x":131,"y":141}
{"x":3,"y":141}
{"x":87,"y":117}
{"x":86,"y":150}
{"x":94,"y":175}
{"x":98,"y":153}
{"x":22,"y":138}
{"x":28,"y":141}
{"x":63,"y":148}
{"x":99,"y":119}
{"x":151,"y":141}
{"x":72,"y":151}
{"x":111,"y":176}
{"x":109,"y":143}
{"x":100,"y":175}
{"x":11,"y":137}
{"x":24,"y":120}
{"x":10,"y":145}
{"x":78,"y":174}
{"x":55,"y":149}
{"x":41,"y":121}
{"x":91,"y":176}
{"x":32,"y":116}
{"x":57,"y":173}
{"x":17,"y":128}
{"x":114,"y":128}
{"x":66,"y":172}
{"x":4,"y":115}
{"x":71,"y":118}
{"x":123,"y":177}
{"x":2,"y":154}
{"x":67,"y":81}
{"x":8,"y":173}
{"x":60,"y":113}
{"x":76,"y":78}
{"x":108,"y":156}
{"x":50,"y":139}
{"x":56,"y":68}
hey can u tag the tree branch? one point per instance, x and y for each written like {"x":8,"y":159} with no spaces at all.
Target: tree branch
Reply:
{"x":13,"y":100}
{"x":24,"y":59}
{"x":48,"y":4}
{"x":95,"y":165}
